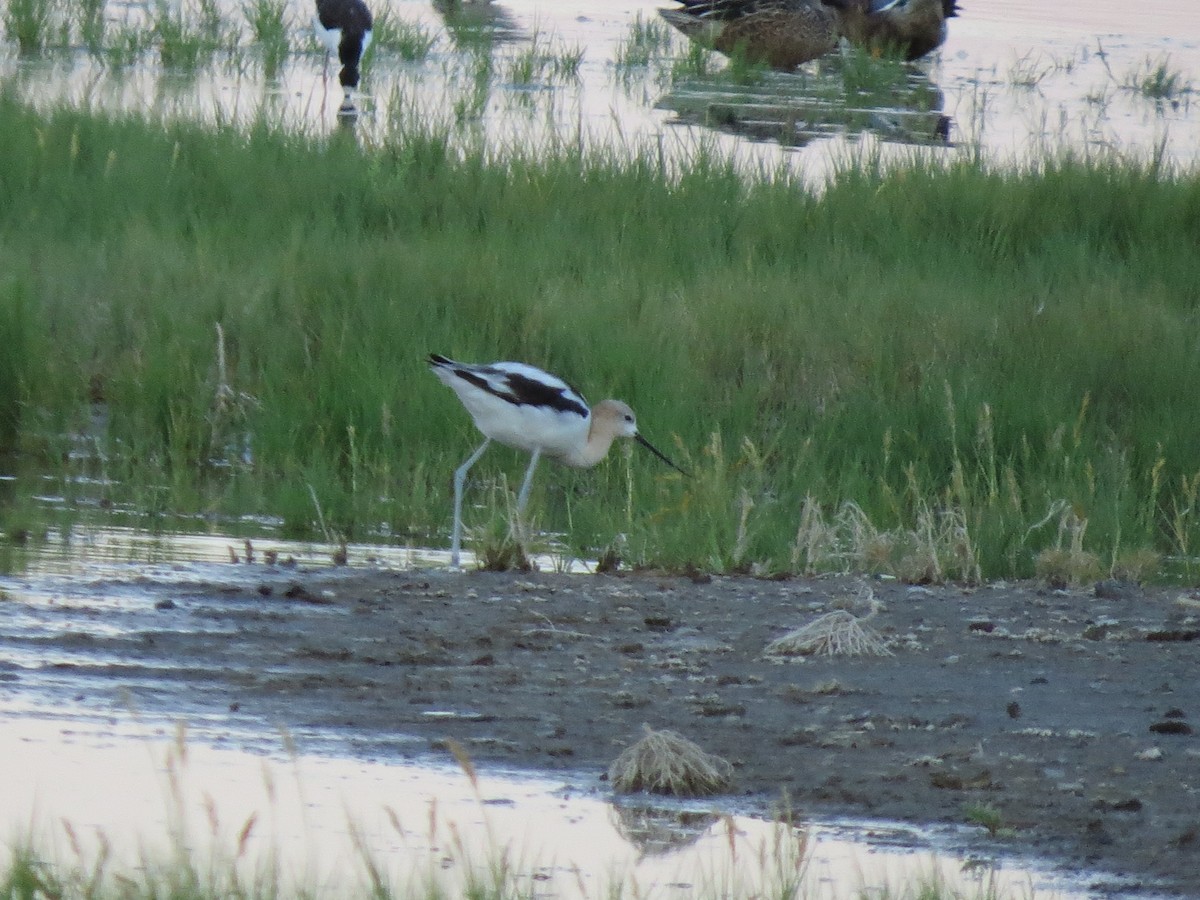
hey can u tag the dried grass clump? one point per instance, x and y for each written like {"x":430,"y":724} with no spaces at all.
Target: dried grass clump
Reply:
{"x":839,"y":633}
{"x":937,"y":548}
{"x":1066,"y":563}
{"x":664,"y":762}
{"x":1061,"y":568}
{"x":1137,"y":565}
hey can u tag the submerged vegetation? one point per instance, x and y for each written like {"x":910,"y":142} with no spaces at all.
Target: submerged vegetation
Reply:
{"x":936,"y":369}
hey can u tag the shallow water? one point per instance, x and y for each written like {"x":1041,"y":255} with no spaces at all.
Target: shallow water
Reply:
{"x":137,"y":789}
{"x":1015,"y":80}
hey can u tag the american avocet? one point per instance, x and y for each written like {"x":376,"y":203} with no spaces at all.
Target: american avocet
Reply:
{"x":910,"y":27}
{"x":344,"y":27}
{"x":781,"y":33}
{"x":523,"y":407}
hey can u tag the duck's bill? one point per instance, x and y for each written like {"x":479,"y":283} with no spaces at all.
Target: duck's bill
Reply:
{"x":649,"y":446}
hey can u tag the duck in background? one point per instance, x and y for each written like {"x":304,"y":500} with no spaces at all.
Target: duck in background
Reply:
{"x":911,"y":28}
{"x":781,"y":33}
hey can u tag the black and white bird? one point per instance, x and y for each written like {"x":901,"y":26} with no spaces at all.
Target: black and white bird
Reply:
{"x":344,"y":27}
{"x":525,"y":408}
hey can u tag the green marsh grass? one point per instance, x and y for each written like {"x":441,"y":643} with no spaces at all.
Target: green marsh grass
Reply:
{"x":696,"y":60}
{"x":91,"y":24}
{"x":1030,"y":70}
{"x":565,"y":62}
{"x":187,"y":38}
{"x":544,"y":59}
{"x":471,"y":100}
{"x":31,"y":23}
{"x":126,"y":44}
{"x":741,"y":69}
{"x":1156,"y":79}
{"x":647,"y":39}
{"x":411,"y":40}
{"x":987,"y":817}
{"x":270,"y":26}
{"x":868,"y":75}
{"x":917,"y":370}
{"x":211,"y":20}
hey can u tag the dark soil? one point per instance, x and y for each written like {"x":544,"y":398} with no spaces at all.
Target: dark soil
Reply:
{"x":1072,"y":715}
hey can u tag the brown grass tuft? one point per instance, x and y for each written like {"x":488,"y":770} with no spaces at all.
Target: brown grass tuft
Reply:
{"x":664,"y":762}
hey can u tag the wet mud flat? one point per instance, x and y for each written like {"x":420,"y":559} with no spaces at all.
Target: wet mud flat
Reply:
{"x":1065,"y":719}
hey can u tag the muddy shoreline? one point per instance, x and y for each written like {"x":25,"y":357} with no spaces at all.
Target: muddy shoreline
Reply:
{"x":1065,"y":719}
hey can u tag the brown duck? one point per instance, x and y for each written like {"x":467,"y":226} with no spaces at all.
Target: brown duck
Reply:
{"x":781,"y":33}
{"x":910,"y":28}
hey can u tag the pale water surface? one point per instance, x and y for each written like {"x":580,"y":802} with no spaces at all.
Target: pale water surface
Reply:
{"x":1016,"y":79}
{"x":138,"y":790}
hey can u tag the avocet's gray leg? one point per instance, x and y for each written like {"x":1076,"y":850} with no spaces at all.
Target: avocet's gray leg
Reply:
{"x":523,"y":496}
{"x":518,"y":526}
{"x":460,"y":480}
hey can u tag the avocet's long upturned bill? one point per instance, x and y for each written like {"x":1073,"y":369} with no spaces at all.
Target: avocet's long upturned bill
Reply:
{"x":344,"y":27}
{"x":523,"y":407}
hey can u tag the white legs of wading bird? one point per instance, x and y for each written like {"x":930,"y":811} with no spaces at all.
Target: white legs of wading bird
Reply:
{"x":525,"y":408}
{"x":344,"y":28}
